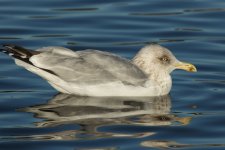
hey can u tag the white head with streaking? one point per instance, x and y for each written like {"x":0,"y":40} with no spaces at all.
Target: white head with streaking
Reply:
{"x":156,"y":60}
{"x":99,"y":73}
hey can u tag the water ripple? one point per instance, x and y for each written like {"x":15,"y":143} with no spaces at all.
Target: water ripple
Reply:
{"x":157,"y":14}
{"x":192,"y":117}
{"x":75,"y":9}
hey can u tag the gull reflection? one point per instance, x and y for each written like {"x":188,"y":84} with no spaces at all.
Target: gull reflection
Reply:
{"x":65,"y":109}
{"x":93,"y":112}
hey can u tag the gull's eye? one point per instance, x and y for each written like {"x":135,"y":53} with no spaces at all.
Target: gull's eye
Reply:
{"x":165,"y":59}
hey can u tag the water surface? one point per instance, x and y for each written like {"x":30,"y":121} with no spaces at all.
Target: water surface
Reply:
{"x":34,"y":116}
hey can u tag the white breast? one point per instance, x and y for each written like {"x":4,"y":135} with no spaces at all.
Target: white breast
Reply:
{"x":119,"y":89}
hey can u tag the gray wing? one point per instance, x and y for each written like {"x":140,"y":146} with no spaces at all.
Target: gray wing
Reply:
{"x":88,"y":66}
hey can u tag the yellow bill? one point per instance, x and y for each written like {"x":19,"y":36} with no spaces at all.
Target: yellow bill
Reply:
{"x":186,"y":66}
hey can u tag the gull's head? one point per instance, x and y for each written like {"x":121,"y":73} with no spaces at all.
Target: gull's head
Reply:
{"x":156,"y":58}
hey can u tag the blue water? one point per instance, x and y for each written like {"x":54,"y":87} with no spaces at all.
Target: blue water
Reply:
{"x":34,"y":116}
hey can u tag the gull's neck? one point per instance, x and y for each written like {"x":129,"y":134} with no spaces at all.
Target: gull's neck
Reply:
{"x":160,"y":77}
{"x":151,"y":70}
{"x":141,"y":62}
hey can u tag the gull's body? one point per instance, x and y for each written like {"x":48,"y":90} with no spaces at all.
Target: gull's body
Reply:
{"x":98,"y":73}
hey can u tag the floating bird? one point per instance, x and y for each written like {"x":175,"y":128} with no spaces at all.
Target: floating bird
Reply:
{"x":98,"y":73}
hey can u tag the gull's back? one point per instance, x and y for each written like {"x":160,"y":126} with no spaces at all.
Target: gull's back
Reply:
{"x":71,"y":72}
{"x":89,"y":67}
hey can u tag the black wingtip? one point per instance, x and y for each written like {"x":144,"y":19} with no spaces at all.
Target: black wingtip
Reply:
{"x":8,"y":45}
{"x":3,"y":50}
{"x":17,"y":50}
{"x":13,"y":46}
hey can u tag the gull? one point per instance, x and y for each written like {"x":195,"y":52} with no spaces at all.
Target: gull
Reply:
{"x":99,"y":73}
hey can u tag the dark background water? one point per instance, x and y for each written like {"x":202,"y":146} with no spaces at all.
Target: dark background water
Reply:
{"x":33,"y":117}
